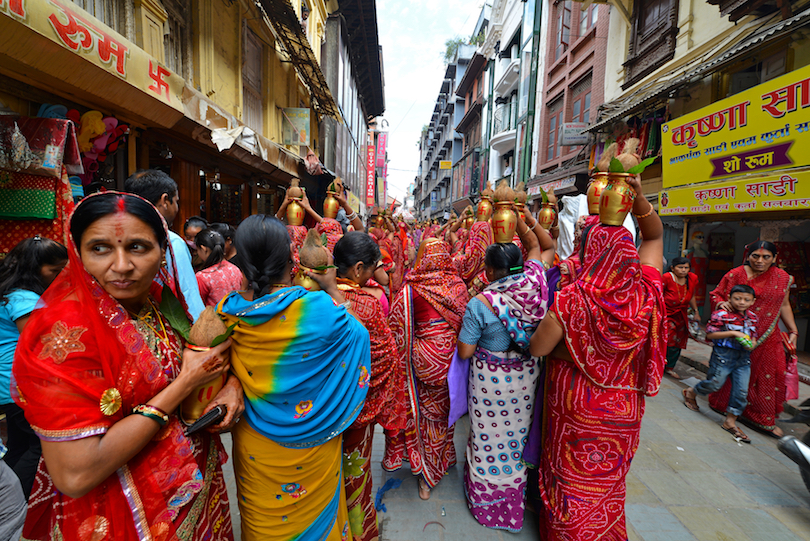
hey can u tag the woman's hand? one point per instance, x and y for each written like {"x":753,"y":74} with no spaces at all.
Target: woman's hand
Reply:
{"x":201,"y":367}
{"x":305,"y":201}
{"x":723,"y":305}
{"x":233,"y":398}
{"x":327,"y":280}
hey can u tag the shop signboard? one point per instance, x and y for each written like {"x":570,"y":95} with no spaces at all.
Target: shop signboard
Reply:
{"x":445,"y":164}
{"x":371,"y":177}
{"x":353,"y":201}
{"x":556,"y":185}
{"x":294,"y":126}
{"x":64,"y":23}
{"x":382,"y":143}
{"x":760,"y":129}
{"x":778,"y":191}
{"x":573,"y":133}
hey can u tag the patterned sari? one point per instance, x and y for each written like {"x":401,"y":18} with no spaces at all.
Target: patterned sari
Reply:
{"x":677,"y":298}
{"x":612,"y":318}
{"x":298,"y":233}
{"x":385,"y":404}
{"x":470,"y":262}
{"x":425,"y":319}
{"x":766,"y":388}
{"x":82,"y":364}
{"x":332,"y":230}
{"x":304,"y":366}
{"x":501,"y":395}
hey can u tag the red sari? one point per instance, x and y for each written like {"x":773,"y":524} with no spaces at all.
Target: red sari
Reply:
{"x":677,"y":298}
{"x":332,"y":230}
{"x":74,"y":357}
{"x":766,"y":388}
{"x":425,"y":319}
{"x":298,"y":233}
{"x":385,"y":404}
{"x":612,"y":317}
{"x":470,"y":262}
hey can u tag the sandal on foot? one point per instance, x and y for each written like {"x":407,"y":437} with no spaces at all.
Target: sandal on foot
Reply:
{"x":737,"y":433}
{"x":690,"y":403}
{"x":424,"y":490}
{"x":671,"y":373}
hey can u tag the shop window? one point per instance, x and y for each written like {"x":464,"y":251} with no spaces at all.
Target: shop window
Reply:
{"x":252,"y":83}
{"x":587,"y":18}
{"x":563,"y":29}
{"x":652,"y":38}
{"x":555,"y":118}
{"x":106,"y":11}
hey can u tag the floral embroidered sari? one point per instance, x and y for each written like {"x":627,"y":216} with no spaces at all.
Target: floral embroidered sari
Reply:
{"x":82,"y":364}
{"x":304,"y":364}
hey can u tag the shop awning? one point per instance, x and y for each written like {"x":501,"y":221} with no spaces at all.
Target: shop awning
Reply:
{"x":287,"y":28}
{"x":661,"y":86}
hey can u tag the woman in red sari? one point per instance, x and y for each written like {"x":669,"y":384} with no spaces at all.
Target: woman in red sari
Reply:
{"x":98,"y":375}
{"x":766,"y":388}
{"x":356,"y":257}
{"x":426,"y":318}
{"x":679,"y":294}
{"x":604,"y":338}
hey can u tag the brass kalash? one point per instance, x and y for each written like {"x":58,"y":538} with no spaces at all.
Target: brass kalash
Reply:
{"x":331,"y":205}
{"x":295,"y":212}
{"x":504,"y":219}
{"x":617,"y":196}
{"x":484,"y":210}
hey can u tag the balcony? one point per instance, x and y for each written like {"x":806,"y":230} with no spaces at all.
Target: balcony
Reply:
{"x":503,"y":129}
{"x":509,"y":79}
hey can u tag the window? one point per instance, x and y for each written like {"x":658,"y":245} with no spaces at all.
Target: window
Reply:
{"x":252,"y":83}
{"x":555,"y":118}
{"x":652,"y":38}
{"x":563,"y":28}
{"x":106,"y":11}
{"x":587,"y":18}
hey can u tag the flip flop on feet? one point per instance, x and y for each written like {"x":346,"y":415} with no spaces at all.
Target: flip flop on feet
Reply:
{"x":737,"y":433}
{"x":671,"y":373}
{"x":689,"y":401}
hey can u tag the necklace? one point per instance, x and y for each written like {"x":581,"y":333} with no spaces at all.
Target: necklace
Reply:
{"x":145,"y":324}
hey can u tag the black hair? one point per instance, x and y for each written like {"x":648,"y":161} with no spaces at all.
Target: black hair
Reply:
{"x":21,"y":269}
{"x":760,"y":245}
{"x":355,"y":246}
{"x":742,"y":288}
{"x":505,"y":258}
{"x":151,"y":184}
{"x":195,"y":221}
{"x":214,"y":242}
{"x":101,"y":205}
{"x":262,"y":251}
{"x":226,"y":230}
{"x":678,"y":261}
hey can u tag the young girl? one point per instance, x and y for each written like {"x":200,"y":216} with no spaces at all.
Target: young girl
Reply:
{"x":218,"y":276}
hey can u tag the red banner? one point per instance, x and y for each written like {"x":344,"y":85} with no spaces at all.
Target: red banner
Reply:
{"x":370,"y":176}
{"x":382,"y":142}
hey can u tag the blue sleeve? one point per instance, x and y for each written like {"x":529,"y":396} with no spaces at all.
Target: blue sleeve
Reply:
{"x":21,"y":302}
{"x":186,"y":277}
{"x":472,"y":326}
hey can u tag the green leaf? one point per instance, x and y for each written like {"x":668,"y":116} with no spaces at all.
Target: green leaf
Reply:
{"x":224,"y":336}
{"x":615,"y":166}
{"x":174,"y":313}
{"x":324,"y":267}
{"x":638,"y":169}
{"x":323,"y":239}
{"x":544,"y":195}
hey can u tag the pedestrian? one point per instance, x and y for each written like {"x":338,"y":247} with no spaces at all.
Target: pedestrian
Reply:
{"x":194,"y":225}
{"x":25,"y":273}
{"x":426,"y":318}
{"x":228,"y":232}
{"x":97,"y":371}
{"x":303,"y":361}
{"x":161,"y":190}
{"x":217,"y":276}
{"x":766,"y":388}
{"x":679,"y":294}
{"x":733,"y":333}
{"x":356,"y":258}
{"x":604,"y":338}
{"x":497,"y":326}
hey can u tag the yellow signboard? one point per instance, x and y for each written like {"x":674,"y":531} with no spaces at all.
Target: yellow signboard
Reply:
{"x":764,"y":128}
{"x":445,"y":164}
{"x":781,"y":191}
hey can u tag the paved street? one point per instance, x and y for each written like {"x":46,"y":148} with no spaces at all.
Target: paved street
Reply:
{"x":689,"y":481}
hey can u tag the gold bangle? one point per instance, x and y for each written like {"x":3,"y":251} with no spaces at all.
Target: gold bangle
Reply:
{"x":193,"y":347}
{"x":156,"y":414}
{"x":648,"y":213}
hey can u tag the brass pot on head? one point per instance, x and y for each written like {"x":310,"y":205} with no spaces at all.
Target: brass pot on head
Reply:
{"x":598,"y":182}
{"x":484,"y":210}
{"x":379,"y":221}
{"x":520,"y":208}
{"x":469,"y":221}
{"x":330,"y":205}
{"x":616,"y":200}
{"x":504,"y":222}
{"x":301,"y":279}
{"x":547,"y":215}
{"x":295,"y":212}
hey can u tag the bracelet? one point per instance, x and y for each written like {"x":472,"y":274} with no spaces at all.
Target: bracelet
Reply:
{"x":351,"y":216}
{"x":156,"y":414}
{"x":532,"y":227}
{"x":793,"y":332}
{"x":347,"y":305}
{"x":648,"y":213}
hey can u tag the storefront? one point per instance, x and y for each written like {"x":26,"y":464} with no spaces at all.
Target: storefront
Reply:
{"x":738,"y":170}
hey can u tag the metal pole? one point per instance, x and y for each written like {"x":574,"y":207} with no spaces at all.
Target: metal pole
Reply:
{"x":525,"y":169}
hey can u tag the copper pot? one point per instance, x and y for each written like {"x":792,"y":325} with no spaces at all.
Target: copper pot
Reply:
{"x":504,"y":222}
{"x":295,"y":212}
{"x":301,"y":279}
{"x":195,"y":403}
{"x":547,"y":215}
{"x":616,"y":200}
{"x":595,"y":188}
{"x":484,"y":210}
{"x":330,"y":206}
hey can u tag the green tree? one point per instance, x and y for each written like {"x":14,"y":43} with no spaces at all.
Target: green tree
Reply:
{"x":451,"y":48}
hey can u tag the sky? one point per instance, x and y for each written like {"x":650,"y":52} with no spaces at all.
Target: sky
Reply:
{"x":412,"y":34}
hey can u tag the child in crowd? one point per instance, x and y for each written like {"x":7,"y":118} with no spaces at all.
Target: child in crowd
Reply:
{"x":734,"y":335}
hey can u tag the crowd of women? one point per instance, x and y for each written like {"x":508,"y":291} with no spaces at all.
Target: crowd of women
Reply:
{"x":408,"y":326}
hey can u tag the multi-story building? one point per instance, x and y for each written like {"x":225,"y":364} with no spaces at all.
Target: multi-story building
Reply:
{"x":216,"y":93}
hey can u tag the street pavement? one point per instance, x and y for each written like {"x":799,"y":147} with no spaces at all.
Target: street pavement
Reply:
{"x":689,"y":480}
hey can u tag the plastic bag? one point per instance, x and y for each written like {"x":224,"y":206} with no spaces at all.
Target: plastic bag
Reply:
{"x":792,"y":371}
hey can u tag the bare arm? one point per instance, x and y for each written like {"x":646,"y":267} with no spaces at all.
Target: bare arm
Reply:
{"x":78,"y":466}
{"x":22,"y":321}
{"x":651,"y":251}
{"x":786,"y":313}
{"x":465,"y":351}
{"x":307,"y":207}
{"x":546,"y":337}
{"x":356,"y":222}
{"x":282,"y":210}
{"x":693,"y":303}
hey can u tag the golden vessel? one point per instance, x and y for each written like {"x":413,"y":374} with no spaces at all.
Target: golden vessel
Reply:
{"x":469,"y":221}
{"x":295,"y":212}
{"x":301,"y":279}
{"x":195,"y":403}
{"x":616,"y":200}
{"x":504,"y":222}
{"x":330,"y":205}
{"x":520,"y":208}
{"x":598,"y":182}
{"x":547,"y":215}
{"x":484,"y":210}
